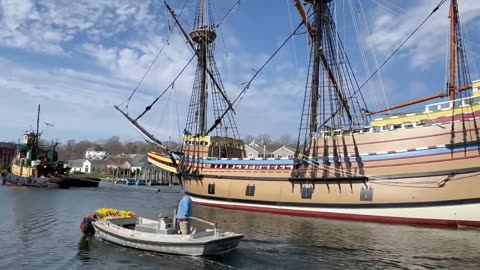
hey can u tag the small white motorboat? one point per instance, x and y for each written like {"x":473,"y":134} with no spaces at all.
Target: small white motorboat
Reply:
{"x":163,"y":236}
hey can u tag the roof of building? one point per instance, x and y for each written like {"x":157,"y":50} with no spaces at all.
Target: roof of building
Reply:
{"x":139,"y":160}
{"x":98,"y":162}
{"x":96,"y":148}
{"x":133,"y":160}
{"x":257,"y":148}
{"x":284,"y":148}
{"x":76,"y":163}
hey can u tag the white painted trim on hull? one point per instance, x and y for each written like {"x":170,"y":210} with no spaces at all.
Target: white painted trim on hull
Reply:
{"x":461,"y":212}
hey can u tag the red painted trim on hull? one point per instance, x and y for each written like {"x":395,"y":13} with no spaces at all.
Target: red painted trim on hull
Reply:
{"x":351,"y":217}
{"x":9,"y":184}
{"x":448,"y":119}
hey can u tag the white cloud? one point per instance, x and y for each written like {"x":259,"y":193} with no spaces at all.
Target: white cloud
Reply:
{"x":428,"y":45}
{"x":84,"y":99}
{"x":131,"y":61}
{"x":79,"y":104}
{"x":47,"y":26}
{"x":110,"y":44}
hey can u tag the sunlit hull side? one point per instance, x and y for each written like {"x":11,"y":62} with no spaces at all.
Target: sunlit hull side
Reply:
{"x":413,"y":177}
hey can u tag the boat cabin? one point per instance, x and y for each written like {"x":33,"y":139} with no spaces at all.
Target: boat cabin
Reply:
{"x":36,"y":160}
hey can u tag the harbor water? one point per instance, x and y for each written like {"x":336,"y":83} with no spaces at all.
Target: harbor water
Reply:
{"x":39,"y":229}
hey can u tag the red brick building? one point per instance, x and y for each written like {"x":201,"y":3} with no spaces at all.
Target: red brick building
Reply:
{"x":7,"y":153}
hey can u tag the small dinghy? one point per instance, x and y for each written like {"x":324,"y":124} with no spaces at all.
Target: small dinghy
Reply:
{"x":162,"y":235}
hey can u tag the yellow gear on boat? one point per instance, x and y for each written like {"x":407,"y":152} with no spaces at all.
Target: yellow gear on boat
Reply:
{"x":111,"y":212}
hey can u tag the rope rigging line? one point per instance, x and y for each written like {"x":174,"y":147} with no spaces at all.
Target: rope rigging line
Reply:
{"x":166,"y":89}
{"x":154,"y":60}
{"x":391,"y":7}
{"x":387,"y":59}
{"x":228,"y":13}
{"x":221,"y":21}
{"x":387,"y":181}
{"x":362,"y":26}
{"x":291,"y":29}
{"x":247,"y":84}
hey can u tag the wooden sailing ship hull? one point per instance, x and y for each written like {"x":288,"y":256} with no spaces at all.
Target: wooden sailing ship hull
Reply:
{"x":408,"y":176}
{"x":416,"y":201}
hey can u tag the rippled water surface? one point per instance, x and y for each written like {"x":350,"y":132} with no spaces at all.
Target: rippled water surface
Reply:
{"x":39,"y":229}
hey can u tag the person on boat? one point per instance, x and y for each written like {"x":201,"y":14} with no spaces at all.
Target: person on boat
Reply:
{"x":184,"y":212}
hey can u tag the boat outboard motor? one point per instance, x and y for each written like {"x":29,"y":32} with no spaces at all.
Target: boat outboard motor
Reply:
{"x":164,"y":223}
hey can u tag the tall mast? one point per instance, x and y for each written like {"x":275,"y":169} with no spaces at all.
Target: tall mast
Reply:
{"x":208,"y":86}
{"x":330,"y":100}
{"x":453,"y":48}
{"x":331,"y":103}
{"x":315,"y":35}
{"x":202,"y":35}
{"x":38,"y":120}
{"x":36,"y":137}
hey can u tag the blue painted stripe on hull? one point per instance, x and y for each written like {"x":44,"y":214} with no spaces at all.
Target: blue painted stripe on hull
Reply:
{"x":378,"y":157}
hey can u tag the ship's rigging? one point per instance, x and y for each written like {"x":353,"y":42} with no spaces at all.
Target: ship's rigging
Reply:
{"x":459,"y":79}
{"x":333,"y":99}
{"x":331,"y":102}
{"x":345,"y":166}
{"x":201,"y":41}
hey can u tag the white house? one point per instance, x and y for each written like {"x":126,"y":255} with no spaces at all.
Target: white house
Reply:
{"x":94,"y":154}
{"x":283,"y":152}
{"x":95,"y":166}
{"x":76,"y":165}
{"x":87,"y":166}
{"x":253,"y":150}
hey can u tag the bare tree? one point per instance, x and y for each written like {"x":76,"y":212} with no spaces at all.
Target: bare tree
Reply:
{"x":65,"y":151}
{"x":248,"y":139}
{"x":75,"y":150}
{"x":81,"y":147}
{"x":132,"y":147}
{"x":113,"y":145}
{"x":286,"y":140}
{"x":263,"y":139}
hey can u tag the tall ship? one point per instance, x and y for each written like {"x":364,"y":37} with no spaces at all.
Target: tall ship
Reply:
{"x":419,"y":168}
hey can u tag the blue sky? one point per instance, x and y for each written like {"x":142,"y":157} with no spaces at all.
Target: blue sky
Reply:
{"x":79,"y":58}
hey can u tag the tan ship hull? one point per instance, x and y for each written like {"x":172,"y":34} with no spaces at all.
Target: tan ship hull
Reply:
{"x":414,"y":176}
{"x":440,"y":200}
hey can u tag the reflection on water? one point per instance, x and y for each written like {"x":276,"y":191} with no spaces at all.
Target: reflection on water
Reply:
{"x":39,"y":228}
